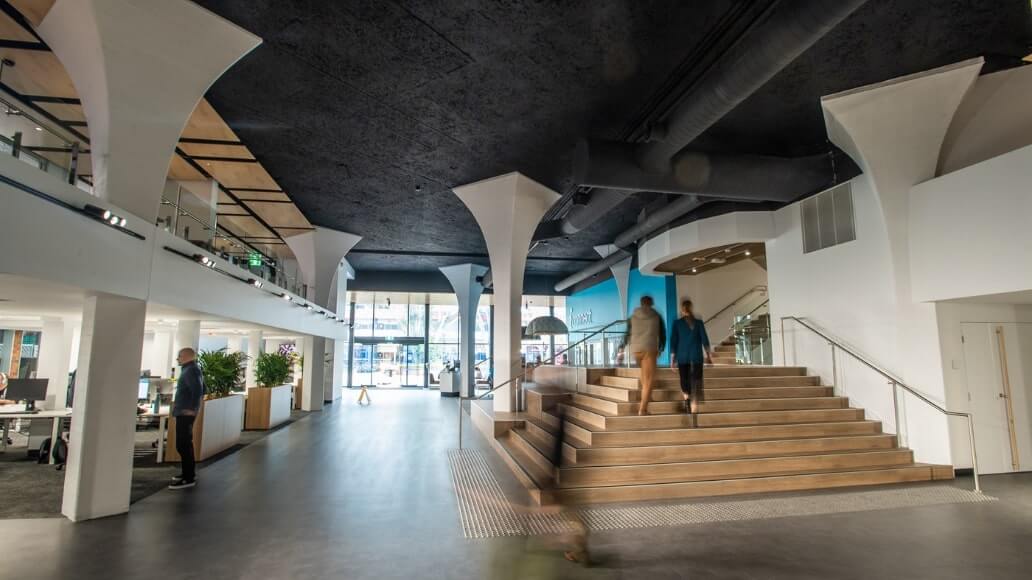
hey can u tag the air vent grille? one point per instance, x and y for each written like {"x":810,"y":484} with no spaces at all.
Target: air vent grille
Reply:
{"x":828,"y":218}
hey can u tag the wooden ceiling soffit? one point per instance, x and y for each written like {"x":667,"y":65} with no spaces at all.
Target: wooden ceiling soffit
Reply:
{"x":209,"y":150}
{"x":239,"y":175}
{"x":11,"y":30}
{"x":33,"y":10}
{"x":37,"y":72}
{"x":245,"y":226}
{"x":180,"y":170}
{"x":279,"y":214}
{"x":206,"y":123}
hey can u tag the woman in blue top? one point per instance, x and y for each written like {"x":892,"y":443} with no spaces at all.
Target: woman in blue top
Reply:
{"x":688,"y":345}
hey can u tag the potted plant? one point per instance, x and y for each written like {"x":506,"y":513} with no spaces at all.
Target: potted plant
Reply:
{"x":218,"y":425}
{"x":268,"y":405}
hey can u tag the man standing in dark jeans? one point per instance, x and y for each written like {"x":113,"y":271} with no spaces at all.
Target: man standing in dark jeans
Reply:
{"x":189,"y":394}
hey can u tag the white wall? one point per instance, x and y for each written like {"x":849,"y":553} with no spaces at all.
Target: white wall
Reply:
{"x":845,"y":289}
{"x":951,"y":315}
{"x":715,"y":289}
{"x":970,"y":233}
{"x":74,"y":250}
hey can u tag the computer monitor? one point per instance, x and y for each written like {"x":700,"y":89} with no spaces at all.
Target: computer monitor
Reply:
{"x":143,"y":393}
{"x":28,"y":390}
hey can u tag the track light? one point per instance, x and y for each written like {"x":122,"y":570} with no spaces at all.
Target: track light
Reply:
{"x":255,"y":282}
{"x":204,"y":260}
{"x":105,"y":215}
{"x":285,"y":296}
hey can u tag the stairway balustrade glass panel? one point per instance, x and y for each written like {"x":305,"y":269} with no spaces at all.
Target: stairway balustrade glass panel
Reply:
{"x":753,"y":337}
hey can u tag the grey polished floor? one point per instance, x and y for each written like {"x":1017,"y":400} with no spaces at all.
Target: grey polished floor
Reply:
{"x":365,"y":492}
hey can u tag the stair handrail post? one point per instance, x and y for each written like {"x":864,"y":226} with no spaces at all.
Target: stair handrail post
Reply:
{"x":896,"y":384}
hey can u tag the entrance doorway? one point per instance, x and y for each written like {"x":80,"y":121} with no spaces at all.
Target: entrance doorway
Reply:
{"x":389,"y":364}
{"x":998,"y":363}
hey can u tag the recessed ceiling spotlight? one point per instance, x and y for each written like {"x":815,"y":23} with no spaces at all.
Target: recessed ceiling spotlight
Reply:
{"x":255,"y":282}
{"x":695,"y":270}
{"x":727,"y":251}
{"x":748,"y":253}
{"x":285,"y":296}
{"x":39,"y":128}
{"x":718,"y":261}
{"x":308,"y":306}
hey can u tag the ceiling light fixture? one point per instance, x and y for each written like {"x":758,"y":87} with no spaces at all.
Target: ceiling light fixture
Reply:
{"x":204,"y":260}
{"x":285,"y":296}
{"x":695,"y":270}
{"x":748,"y":253}
{"x":308,"y":306}
{"x":255,"y":282}
{"x":39,"y":128}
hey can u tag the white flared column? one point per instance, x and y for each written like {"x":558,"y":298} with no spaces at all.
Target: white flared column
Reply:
{"x":188,"y":335}
{"x":100,"y":459}
{"x":320,"y":254}
{"x":313,"y":371}
{"x":254,"y":348}
{"x":894,"y":131}
{"x":621,"y":273}
{"x":140,"y":67}
{"x":234,"y":343}
{"x":164,"y":342}
{"x":464,"y":281}
{"x":54,"y":359}
{"x":508,"y":209}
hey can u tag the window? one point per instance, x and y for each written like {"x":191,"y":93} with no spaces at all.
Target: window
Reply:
{"x":827,"y":218}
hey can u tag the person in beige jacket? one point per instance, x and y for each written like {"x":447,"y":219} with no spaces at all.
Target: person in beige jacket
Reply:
{"x":646,"y":338}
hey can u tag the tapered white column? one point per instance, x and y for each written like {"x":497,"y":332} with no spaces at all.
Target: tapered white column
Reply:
{"x":463,"y":280}
{"x":254,"y":348}
{"x":320,"y":254}
{"x":621,"y":273}
{"x":894,"y":131}
{"x":188,"y":335}
{"x":313,"y":372}
{"x":54,"y":358}
{"x":234,"y":343}
{"x":508,"y":209}
{"x":100,"y":458}
{"x":139,"y":67}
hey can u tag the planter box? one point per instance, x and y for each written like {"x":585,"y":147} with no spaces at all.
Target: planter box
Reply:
{"x":216,"y":429}
{"x":267,"y":407}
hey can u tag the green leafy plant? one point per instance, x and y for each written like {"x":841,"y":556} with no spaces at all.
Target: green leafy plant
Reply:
{"x":272,"y":369}
{"x":223,"y":371}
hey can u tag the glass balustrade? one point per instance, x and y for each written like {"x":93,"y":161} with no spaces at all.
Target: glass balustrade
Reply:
{"x":752,"y":336}
{"x":604,"y":349}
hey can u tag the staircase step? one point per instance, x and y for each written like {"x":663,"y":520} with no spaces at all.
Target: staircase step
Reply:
{"x":590,"y":436}
{"x":541,"y":435}
{"x":810,"y":481}
{"x":611,"y":393}
{"x":537,"y":464}
{"x":731,"y":468}
{"x":605,"y":421}
{"x":601,"y":456}
{"x":724,"y":394}
{"x":624,"y":408}
{"x":746,"y":418}
{"x":710,"y":382}
{"x":723,"y":372}
{"x":538,"y":483}
{"x":735,"y":405}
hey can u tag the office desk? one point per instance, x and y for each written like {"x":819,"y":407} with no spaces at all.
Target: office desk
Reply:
{"x":18,"y":412}
{"x":162,"y":416}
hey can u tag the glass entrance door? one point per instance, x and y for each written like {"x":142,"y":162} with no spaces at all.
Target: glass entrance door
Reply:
{"x":388,"y":365}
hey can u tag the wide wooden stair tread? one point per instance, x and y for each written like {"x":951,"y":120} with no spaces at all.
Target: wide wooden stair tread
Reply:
{"x":760,"y":429}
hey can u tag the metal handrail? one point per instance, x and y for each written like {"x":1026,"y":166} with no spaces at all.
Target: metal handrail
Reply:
{"x":524,"y":373}
{"x":736,"y":301}
{"x":893,"y":380}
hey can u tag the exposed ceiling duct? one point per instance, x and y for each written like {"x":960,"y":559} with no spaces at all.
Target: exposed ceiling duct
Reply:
{"x":744,"y":177}
{"x":599,"y":266}
{"x":785,"y":32}
{"x":790,"y":28}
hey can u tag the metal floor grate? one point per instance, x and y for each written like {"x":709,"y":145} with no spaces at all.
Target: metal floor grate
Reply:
{"x":484,"y":511}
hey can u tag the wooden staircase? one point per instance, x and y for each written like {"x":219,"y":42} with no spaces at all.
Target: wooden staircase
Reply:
{"x":761,"y":429}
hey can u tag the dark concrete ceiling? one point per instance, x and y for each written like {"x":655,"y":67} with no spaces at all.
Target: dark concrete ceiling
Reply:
{"x":369,"y":112}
